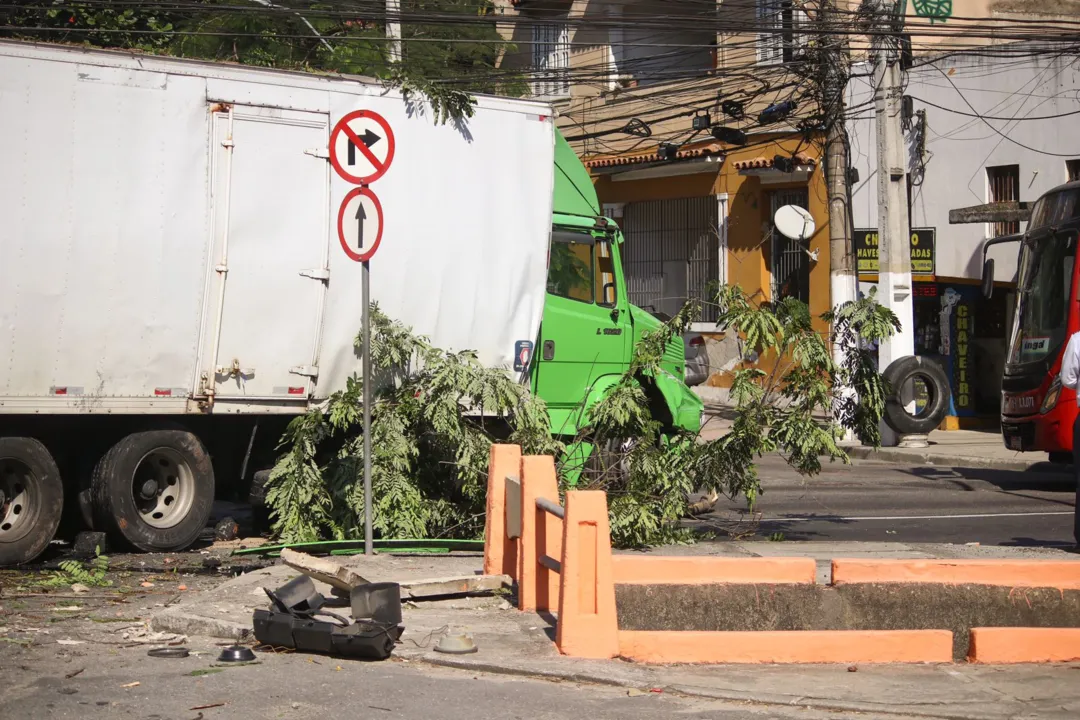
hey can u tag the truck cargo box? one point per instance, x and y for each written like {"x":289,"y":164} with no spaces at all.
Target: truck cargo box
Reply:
{"x":169,"y":231}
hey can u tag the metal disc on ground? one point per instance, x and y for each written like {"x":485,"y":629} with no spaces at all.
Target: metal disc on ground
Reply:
{"x":236,"y":654}
{"x":458,"y":644}
{"x":169,"y":652}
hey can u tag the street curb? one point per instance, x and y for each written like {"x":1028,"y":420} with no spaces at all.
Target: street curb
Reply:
{"x":182,"y":623}
{"x":920,"y":457}
{"x":755,"y":698}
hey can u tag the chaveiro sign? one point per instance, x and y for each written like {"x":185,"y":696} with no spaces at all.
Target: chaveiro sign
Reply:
{"x":923,"y":251}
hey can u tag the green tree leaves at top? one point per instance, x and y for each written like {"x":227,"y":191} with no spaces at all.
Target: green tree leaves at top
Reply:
{"x":452,"y":54}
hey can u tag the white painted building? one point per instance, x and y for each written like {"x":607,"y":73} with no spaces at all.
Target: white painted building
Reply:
{"x":964,"y":154}
{"x":990,"y":125}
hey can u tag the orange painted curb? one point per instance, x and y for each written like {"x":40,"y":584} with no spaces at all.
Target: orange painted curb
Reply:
{"x":541,"y":534}
{"x":500,"y":552}
{"x":1008,"y":573}
{"x":588,"y":625}
{"x":659,"y":570}
{"x":1024,"y":645}
{"x":794,"y":646}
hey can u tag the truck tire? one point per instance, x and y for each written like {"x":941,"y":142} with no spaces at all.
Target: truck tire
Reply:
{"x":31,"y":499}
{"x":899,"y":374}
{"x":154,"y":489}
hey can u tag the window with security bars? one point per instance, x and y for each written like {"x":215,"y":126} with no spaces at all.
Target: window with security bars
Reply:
{"x":778,"y":23}
{"x":672,"y":254}
{"x":551,"y":59}
{"x":1004,"y":186}
{"x":790,"y":258}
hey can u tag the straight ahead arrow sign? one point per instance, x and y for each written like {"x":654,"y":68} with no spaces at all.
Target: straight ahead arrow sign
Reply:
{"x":361,"y":216}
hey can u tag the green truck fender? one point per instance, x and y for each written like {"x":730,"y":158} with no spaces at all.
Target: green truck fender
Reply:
{"x":682,"y":403}
{"x":685,"y":406}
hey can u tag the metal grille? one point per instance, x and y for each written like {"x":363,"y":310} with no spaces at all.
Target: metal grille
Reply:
{"x":551,"y":59}
{"x":779,"y":39}
{"x":790,"y":262}
{"x":671,"y":254}
{"x":1004,"y":183}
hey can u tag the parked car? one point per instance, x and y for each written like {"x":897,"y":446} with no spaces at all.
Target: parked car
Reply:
{"x":697,"y":358}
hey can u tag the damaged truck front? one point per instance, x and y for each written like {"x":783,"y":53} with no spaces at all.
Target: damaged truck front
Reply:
{"x":589,"y":328}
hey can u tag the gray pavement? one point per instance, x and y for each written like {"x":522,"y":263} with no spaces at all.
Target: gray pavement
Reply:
{"x":35,"y":685}
{"x":871,"y":501}
{"x":516,"y":673}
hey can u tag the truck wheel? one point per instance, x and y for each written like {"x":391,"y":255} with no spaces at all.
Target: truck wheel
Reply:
{"x":608,"y":464}
{"x":155,"y":489}
{"x":31,"y":499}
{"x":906,"y":370}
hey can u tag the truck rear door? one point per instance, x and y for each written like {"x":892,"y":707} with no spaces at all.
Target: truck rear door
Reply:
{"x":270,"y":195}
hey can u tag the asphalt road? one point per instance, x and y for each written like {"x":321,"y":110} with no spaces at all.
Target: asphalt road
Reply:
{"x":96,"y":681}
{"x":872,"y":501}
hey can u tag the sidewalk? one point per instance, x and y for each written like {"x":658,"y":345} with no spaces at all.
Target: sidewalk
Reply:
{"x":948,"y":448}
{"x":515,"y":643}
{"x":961,"y":448}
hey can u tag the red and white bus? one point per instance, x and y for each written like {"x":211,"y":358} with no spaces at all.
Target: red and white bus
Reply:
{"x":1037,"y":413}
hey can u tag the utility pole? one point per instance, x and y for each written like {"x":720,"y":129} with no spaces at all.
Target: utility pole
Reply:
{"x":894,"y":232}
{"x":842,"y":280}
{"x":393,"y":30}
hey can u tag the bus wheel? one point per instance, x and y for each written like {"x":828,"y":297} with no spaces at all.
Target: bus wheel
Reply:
{"x":154,"y":489}
{"x":904,"y":371}
{"x":31,"y":499}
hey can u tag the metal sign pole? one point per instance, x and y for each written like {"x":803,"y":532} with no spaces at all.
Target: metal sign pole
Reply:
{"x":365,"y":354}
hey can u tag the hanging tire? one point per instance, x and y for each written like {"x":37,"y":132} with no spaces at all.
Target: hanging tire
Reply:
{"x":31,"y":499}
{"x":154,"y":489}
{"x":904,"y":371}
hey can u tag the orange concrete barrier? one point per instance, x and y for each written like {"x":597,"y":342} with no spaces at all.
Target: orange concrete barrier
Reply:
{"x":678,"y":570}
{"x":541,"y":535}
{"x":794,"y":646}
{"x":500,"y":552}
{"x":1024,"y":645}
{"x":588,"y":624}
{"x":1009,"y":573}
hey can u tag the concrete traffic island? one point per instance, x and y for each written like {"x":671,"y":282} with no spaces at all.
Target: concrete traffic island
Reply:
{"x":761,"y":610}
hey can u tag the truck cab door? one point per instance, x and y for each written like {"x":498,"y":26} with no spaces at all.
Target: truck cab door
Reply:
{"x":586,"y":332}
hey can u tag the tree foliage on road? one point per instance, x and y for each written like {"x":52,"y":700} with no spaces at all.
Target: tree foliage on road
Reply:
{"x":430,"y":446}
{"x":442,"y":63}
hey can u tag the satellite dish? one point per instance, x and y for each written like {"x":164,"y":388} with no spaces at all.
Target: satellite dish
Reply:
{"x":794,"y":222}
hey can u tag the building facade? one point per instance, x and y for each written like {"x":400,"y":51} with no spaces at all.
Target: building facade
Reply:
{"x":980,"y":129}
{"x":664,"y":101}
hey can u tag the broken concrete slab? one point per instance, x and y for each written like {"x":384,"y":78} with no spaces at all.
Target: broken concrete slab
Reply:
{"x":451,"y":586}
{"x":331,"y":572}
{"x":221,"y":612}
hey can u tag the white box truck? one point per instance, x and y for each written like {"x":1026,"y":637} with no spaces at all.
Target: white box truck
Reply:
{"x":178,"y":271}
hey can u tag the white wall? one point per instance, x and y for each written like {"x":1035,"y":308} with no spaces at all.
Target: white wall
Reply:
{"x":960,"y":147}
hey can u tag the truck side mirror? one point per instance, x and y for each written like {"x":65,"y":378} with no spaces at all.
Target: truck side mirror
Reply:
{"x":988,"y":278}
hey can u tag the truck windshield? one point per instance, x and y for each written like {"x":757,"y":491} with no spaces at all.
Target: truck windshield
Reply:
{"x":1042,"y":309}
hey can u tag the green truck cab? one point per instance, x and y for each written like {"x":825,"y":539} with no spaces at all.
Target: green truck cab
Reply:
{"x":589,"y":327}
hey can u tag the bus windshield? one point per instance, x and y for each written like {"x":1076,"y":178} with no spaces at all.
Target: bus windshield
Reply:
{"x":1045,"y":287}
